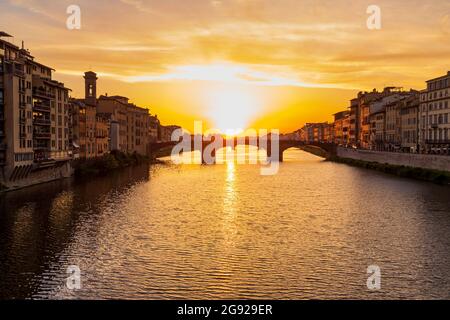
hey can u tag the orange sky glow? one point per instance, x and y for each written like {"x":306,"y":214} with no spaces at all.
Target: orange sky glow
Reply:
{"x":236,"y":63}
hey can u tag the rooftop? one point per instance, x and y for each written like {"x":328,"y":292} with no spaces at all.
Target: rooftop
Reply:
{"x":439,"y":78}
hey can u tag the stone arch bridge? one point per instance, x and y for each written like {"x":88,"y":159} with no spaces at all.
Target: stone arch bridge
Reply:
{"x":328,"y":149}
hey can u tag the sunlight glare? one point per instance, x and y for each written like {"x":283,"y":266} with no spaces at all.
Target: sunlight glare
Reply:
{"x":231,"y":109}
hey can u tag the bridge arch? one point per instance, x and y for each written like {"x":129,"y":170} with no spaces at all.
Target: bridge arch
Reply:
{"x":329,"y":149}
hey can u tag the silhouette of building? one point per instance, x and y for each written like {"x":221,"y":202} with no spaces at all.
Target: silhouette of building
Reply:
{"x":165,"y":133}
{"x":154,"y":126}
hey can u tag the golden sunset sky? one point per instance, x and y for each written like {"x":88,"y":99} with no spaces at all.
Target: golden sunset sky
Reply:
{"x":236,"y":63}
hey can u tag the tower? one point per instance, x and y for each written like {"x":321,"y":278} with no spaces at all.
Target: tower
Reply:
{"x":90,"y":82}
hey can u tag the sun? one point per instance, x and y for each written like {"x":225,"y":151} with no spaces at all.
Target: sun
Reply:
{"x":231,"y":109}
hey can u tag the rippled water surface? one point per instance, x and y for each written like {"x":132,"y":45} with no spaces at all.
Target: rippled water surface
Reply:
{"x":224,"y":231}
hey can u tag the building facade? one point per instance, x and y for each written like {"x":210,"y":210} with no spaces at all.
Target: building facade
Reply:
{"x":130,"y":124}
{"x":377,"y":129}
{"x":341,"y":122}
{"x":34,"y":115}
{"x":317,"y":132}
{"x":409,"y":124}
{"x":91,"y":129}
{"x":434,"y":116}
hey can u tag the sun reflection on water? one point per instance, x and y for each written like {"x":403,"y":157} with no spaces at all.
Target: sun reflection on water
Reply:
{"x":229,"y":204}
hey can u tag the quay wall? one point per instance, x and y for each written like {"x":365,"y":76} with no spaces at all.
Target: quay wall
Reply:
{"x":37,"y":177}
{"x":423,"y":161}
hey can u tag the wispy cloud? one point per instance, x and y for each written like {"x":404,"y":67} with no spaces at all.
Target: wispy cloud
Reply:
{"x":35,"y":8}
{"x":219,"y":72}
{"x":270,"y":44}
{"x":231,"y":73}
{"x":140,"y":6}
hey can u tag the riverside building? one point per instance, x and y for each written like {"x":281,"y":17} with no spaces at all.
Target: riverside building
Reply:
{"x":434,"y":116}
{"x":34,"y":119}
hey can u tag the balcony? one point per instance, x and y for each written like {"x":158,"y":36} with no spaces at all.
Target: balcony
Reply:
{"x":21,"y":89}
{"x":2,"y":117}
{"x":3,"y":146}
{"x":22,"y":104}
{"x":41,"y":122}
{"x":2,"y":162}
{"x":41,"y":107}
{"x":42,"y":135}
{"x":43,"y":93}
{"x":22,"y":135}
{"x":42,"y":147}
{"x":19,"y":73}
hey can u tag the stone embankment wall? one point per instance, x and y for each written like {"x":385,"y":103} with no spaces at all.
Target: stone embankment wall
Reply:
{"x":40,"y":176}
{"x":432,"y":162}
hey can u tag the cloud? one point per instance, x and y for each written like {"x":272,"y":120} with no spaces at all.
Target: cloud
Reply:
{"x":288,"y":42}
{"x":225,"y":73}
{"x":139,"y":5}
{"x":34,"y":7}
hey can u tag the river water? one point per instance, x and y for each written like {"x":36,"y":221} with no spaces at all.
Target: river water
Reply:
{"x":225,"y":232}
